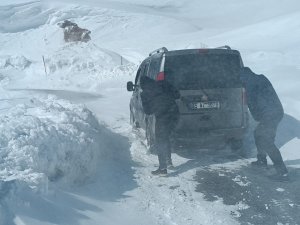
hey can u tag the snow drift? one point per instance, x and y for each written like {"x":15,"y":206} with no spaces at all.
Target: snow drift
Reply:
{"x":49,"y":139}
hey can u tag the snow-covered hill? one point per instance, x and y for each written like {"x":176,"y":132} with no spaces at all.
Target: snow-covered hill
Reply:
{"x":68,"y":153}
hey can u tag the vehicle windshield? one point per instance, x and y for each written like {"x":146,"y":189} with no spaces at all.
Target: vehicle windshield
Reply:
{"x":195,"y":71}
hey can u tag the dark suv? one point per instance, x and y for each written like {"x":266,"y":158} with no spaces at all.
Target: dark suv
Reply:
{"x":211,"y":99}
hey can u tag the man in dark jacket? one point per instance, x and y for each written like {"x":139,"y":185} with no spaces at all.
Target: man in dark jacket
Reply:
{"x":266,"y":109}
{"x":160,"y":102}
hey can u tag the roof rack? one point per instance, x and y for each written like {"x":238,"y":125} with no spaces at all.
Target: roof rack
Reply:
{"x":162,"y":49}
{"x":225,"y":46}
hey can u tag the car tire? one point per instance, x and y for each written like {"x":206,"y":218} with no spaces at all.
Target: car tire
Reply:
{"x":150,"y":139}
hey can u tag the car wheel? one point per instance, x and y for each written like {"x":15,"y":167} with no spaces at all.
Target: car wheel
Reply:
{"x":150,"y":138}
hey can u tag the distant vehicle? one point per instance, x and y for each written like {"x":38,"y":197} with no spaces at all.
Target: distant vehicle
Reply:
{"x":73,"y":33}
{"x":210,"y":97}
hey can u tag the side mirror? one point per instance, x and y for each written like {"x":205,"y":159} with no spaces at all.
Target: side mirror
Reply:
{"x":130,"y":86}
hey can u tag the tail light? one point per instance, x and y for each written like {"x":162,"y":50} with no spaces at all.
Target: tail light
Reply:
{"x":160,"y":76}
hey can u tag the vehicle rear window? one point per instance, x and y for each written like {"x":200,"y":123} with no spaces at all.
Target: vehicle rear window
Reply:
{"x":195,"y":71}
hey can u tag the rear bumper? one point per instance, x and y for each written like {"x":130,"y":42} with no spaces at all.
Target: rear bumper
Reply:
{"x":207,"y":138}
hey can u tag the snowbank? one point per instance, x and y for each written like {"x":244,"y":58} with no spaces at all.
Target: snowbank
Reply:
{"x":49,"y":139}
{"x":18,"y":62}
{"x":82,"y":57}
{"x":75,"y":67}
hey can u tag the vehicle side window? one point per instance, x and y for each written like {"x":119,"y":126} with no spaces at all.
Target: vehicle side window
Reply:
{"x":138,"y":74}
{"x":142,"y":71}
{"x":146,"y":68}
{"x":154,"y":67}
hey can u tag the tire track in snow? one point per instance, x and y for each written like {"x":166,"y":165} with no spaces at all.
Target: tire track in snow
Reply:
{"x":173,"y":200}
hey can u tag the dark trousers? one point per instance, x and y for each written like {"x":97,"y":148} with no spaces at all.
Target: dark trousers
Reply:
{"x":163,"y":129}
{"x":264,"y":135}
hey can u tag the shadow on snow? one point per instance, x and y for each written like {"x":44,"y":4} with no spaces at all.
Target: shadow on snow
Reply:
{"x":66,"y":205}
{"x":268,"y":202}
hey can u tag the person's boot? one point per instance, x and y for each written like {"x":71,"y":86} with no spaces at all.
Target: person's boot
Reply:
{"x":160,"y":172}
{"x":281,"y":173}
{"x":261,"y":163}
{"x":280,"y":176}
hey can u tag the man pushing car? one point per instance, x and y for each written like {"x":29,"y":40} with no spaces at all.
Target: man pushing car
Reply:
{"x":267,"y":110}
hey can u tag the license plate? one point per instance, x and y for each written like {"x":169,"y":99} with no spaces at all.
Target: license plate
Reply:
{"x":205,"y":105}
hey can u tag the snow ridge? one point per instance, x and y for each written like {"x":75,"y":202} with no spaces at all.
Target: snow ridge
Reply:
{"x":50,"y":139}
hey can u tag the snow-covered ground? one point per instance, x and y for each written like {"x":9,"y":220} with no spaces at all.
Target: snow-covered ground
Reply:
{"x":68,"y":153}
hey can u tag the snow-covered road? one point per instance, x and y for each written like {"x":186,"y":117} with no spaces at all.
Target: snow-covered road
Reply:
{"x":218,"y":176}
